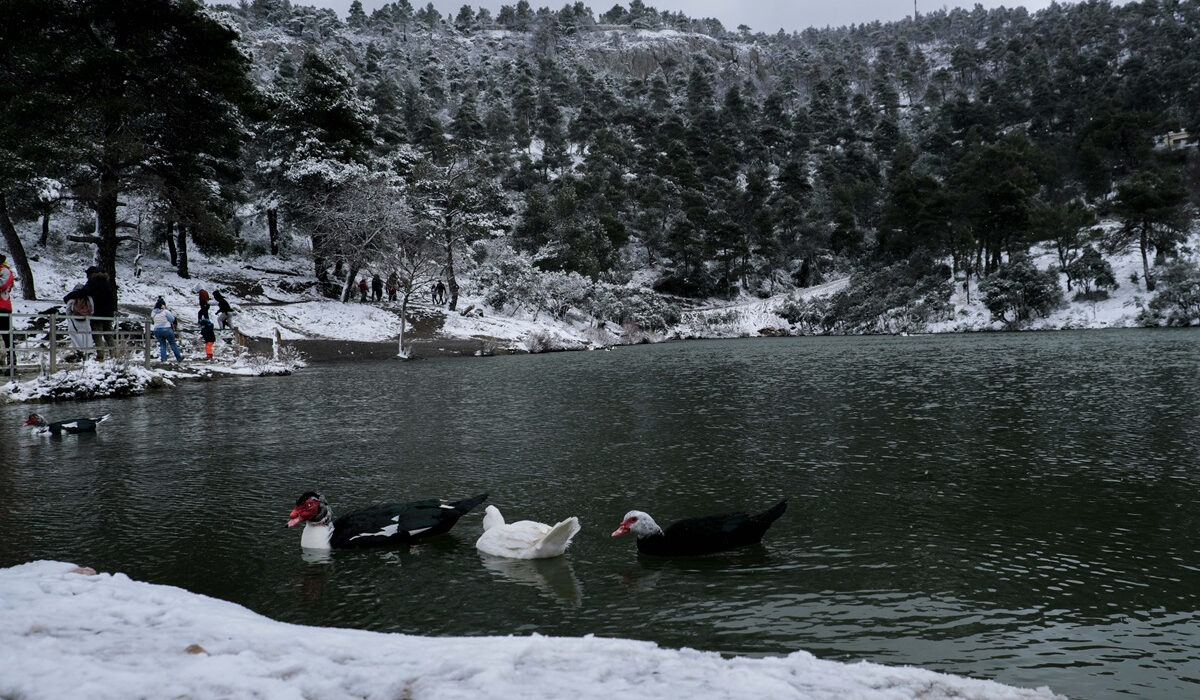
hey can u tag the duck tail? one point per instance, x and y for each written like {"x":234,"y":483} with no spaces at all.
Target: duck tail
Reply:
{"x":559,"y":536}
{"x":773,"y":513}
{"x":468,"y":504}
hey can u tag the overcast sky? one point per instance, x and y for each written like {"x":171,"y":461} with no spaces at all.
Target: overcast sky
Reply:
{"x":761,"y":15}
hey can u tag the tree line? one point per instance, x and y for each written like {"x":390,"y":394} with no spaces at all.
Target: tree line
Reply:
{"x":722,"y":161}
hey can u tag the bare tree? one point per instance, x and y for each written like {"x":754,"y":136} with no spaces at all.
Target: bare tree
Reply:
{"x":361,"y":222}
{"x":416,"y":261}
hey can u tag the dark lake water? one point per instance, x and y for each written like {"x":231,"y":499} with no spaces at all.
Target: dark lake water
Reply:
{"x":1019,"y":507}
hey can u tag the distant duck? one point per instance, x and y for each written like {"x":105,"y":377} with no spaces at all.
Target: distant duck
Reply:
{"x":524,"y":539}
{"x":696,"y":536}
{"x":70,"y":427}
{"x":387,"y":524}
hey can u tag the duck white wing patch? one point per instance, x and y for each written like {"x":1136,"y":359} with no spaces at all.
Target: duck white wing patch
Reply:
{"x":70,"y":425}
{"x":385,"y":531}
{"x":414,"y":533}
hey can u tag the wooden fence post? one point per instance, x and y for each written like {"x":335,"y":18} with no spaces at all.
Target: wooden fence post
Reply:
{"x":53,"y":342}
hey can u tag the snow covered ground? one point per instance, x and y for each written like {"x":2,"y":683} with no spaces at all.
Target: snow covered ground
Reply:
{"x":277,"y":297}
{"x":69,"y":632}
{"x":272,"y":295}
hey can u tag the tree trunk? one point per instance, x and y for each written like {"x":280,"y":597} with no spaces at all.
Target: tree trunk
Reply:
{"x":45,"y":238}
{"x":106,"y":221}
{"x":183,"y":256}
{"x":273,"y":229}
{"x":1144,"y":243}
{"x":16,"y":251}
{"x":403,"y":321}
{"x":171,"y":244}
{"x":350,"y":287}
{"x":451,"y":280}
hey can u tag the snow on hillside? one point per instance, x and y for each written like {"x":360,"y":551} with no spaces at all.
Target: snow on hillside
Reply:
{"x":71,"y":632}
{"x":752,"y":317}
{"x":271,"y":294}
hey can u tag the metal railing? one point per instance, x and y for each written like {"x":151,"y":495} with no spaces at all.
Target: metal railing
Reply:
{"x":46,"y":341}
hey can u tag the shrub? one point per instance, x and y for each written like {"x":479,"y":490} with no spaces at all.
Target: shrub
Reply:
{"x":1018,"y":290}
{"x":1177,"y":298}
{"x":902,"y":297}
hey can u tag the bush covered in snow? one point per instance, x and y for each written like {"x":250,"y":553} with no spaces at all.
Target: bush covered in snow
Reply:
{"x":902,"y":297}
{"x":93,"y":380}
{"x":1176,"y":302}
{"x":513,"y":281}
{"x":1019,"y":290}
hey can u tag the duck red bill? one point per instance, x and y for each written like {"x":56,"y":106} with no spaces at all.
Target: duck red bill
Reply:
{"x":621,"y":530}
{"x":292,"y":522}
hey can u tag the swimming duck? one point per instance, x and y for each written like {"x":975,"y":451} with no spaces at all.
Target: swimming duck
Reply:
{"x":385,"y":524}
{"x":696,"y":536}
{"x":524,"y":539}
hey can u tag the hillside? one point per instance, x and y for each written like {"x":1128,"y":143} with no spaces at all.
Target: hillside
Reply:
{"x":608,"y":176}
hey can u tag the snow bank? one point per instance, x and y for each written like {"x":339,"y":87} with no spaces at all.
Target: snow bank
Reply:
{"x":68,"y":634}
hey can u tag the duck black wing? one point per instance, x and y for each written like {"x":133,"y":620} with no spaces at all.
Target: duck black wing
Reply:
{"x":712,"y":533}
{"x":77,"y":425}
{"x":399,"y":523}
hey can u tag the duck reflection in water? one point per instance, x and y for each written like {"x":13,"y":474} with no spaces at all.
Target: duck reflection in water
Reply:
{"x":651,"y":569}
{"x":552,"y":577}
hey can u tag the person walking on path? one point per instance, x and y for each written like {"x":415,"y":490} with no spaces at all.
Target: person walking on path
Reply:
{"x":377,"y":287}
{"x":393,"y":285}
{"x":7,"y":280}
{"x":224,"y":311}
{"x":163,"y":327}
{"x":104,"y":308}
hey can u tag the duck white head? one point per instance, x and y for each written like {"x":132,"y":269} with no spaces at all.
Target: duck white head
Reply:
{"x":492,"y":518}
{"x":639,"y":523}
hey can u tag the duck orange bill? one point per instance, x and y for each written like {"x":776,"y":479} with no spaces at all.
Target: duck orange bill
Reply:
{"x":621,"y":530}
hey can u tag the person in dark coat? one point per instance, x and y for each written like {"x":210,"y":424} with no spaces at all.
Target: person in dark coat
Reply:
{"x":207,"y":332}
{"x":377,"y":287}
{"x":393,"y":285}
{"x":104,"y":307}
{"x":224,"y":311}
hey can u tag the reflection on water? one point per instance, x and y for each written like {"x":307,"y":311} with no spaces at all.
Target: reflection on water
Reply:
{"x":1011,"y":506}
{"x":550,"y":576}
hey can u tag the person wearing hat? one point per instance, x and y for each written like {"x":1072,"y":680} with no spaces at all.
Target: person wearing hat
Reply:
{"x":104,"y":307}
{"x":7,"y":280}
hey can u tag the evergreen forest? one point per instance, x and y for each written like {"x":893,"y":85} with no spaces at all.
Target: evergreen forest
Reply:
{"x":614,"y":158}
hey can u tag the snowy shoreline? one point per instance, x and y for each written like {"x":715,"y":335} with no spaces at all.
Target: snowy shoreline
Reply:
{"x":270,"y":304}
{"x":70,"y":631}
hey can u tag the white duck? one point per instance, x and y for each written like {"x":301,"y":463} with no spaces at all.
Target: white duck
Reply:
{"x":524,"y":539}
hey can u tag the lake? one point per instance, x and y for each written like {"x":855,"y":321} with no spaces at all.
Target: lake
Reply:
{"x":1019,"y":507}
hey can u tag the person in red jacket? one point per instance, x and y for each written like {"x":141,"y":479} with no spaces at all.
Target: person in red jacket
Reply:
{"x":7,"y":280}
